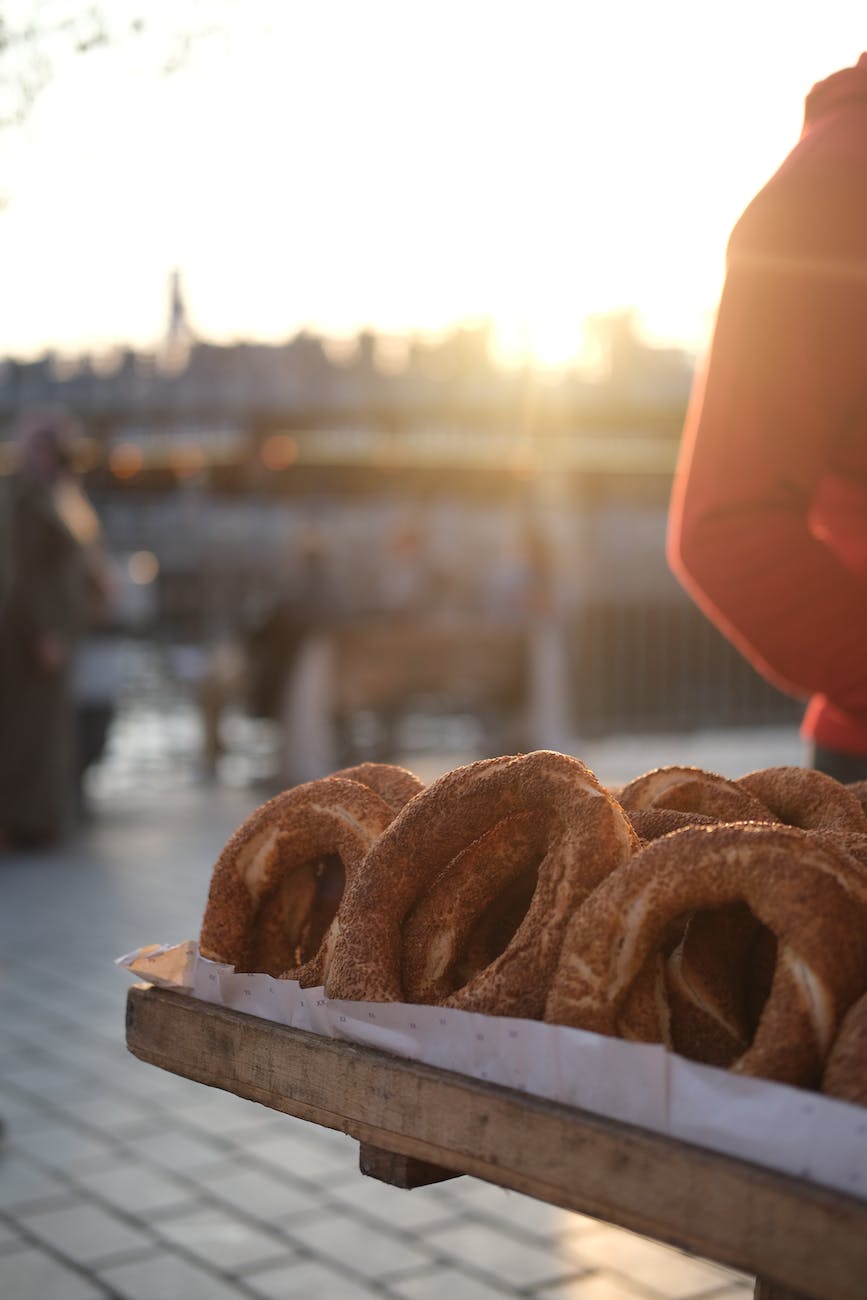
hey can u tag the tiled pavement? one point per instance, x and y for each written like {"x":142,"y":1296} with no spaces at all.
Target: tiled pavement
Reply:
{"x":119,"y":1180}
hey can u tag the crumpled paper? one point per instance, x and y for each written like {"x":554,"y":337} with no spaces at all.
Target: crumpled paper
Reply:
{"x":788,"y":1129}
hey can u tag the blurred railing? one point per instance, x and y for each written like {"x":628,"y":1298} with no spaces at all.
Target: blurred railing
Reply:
{"x":396,"y":688}
{"x":645,"y":667}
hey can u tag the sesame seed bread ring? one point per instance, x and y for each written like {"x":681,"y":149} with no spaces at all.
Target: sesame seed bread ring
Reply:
{"x":706,"y":980}
{"x":795,"y":885}
{"x":644,"y":1016}
{"x":846,"y":1069}
{"x":859,"y":789}
{"x":759,"y":976}
{"x":693,"y":790}
{"x":261,"y":913}
{"x":586,"y":835}
{"x":854,"y":844}
{"x":802,"y":797}
{"x":482,"y":889}
{"x":396,"y":785}
{"x":652,"y":823}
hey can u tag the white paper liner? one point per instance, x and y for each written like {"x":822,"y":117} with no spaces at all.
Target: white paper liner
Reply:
{"x":784,"y":1128}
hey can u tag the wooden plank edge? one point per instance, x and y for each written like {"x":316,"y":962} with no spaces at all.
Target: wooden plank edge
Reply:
{"x":750,"y":1218}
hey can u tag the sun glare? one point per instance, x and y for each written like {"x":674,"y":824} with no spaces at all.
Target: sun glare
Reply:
{"x":408,"y":167}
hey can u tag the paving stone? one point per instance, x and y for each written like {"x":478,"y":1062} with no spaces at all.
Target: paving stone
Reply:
{"x":104,"y":1024}
{"x":254,"y":1192}
{"x":446,"y":1281}
{"x":670,"y":1272}
{"x":576,"y":1229}
{"x":225,"y":1116}
{"x":49,"y":1081}
{"x":18,"y":1005}
{"x":22,"y":1185}
{"x":86,"y":1052}
{"x":17,"y":1018}
{"x":85,"y":1233}
{"x":107,"y":1112}
{"x":31,"y":1275}
{"x":304,"y":1280}
{"x":361,"y":1247}
{"x":137,"y":1078}
{"x":134,"y":1187}
{"x":25,"y":1122}
{"x":174,"y":1150}
{"x":499,"y":1254}
{"x":411,"y":1211}
{"x":306,"y":1160}
{"x":474,"y":1193}
{"x":8,"y":1238}
{"x":14,"y":1107}
{"x":151,"y":1121}
{"x":161,"y":1088}
{"x":445,"y":1192}
{"x":166,"y":1276}
{"x":25,"y":1043}
{"x":314,"y":1135}
{"x":58,"y":1145}
{"x":223,"y":1239}
{"x":595,"y":1286}
{"x":522,"y":1212}
{"x":14,"y":1048}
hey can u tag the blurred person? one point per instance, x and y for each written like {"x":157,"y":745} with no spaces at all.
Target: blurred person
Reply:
{"x":97,"y":671}
{"x":50,"y":580}
{"x":768,"y":518}
{"x":404,"y":577}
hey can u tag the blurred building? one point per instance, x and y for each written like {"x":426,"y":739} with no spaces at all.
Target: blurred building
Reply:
{"x":360,"y":481}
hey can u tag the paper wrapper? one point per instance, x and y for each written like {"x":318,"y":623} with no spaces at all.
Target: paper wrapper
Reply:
{"x":787,"y":1129}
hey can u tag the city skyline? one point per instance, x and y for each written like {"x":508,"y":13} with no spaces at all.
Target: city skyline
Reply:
{"x":403,"y":168}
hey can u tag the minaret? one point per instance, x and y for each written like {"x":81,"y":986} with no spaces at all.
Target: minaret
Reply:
{"x":179,"y":335}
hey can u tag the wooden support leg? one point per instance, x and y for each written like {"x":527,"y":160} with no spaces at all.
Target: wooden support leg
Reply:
{"x":398,"y":1170}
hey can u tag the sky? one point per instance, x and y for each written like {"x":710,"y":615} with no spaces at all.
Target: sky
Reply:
{"x":401,"y":165}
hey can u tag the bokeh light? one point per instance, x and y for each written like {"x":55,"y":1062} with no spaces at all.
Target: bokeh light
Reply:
{"x":125,"y":460}
{"x":278,"y":451}
{"x":143,"y":568}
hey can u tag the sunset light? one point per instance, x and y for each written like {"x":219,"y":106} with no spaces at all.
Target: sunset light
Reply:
{"x":404,"y":167}
{"x":433,"y":607}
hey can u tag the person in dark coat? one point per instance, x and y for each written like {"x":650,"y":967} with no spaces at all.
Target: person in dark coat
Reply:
{"x":48,"y":529}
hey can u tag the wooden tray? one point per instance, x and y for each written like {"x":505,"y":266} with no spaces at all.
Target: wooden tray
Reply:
{"x":418,"y":1124}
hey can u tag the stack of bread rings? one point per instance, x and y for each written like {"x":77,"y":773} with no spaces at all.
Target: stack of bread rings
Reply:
{"x":725,"y":919}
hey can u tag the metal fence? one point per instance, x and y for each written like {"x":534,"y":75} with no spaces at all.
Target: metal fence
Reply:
{"x":644,"y":667}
